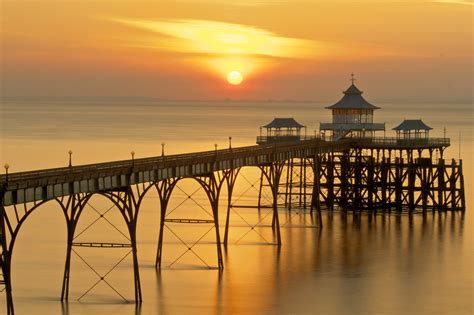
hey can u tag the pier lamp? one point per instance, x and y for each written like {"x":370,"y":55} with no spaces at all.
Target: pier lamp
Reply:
{"x":215,"y":147}
{"x":133,"y":157}
{"x":70,"y":157}
{"x":230,"y":142}
{"x":162,"y":149}
{"x":6,"y":166}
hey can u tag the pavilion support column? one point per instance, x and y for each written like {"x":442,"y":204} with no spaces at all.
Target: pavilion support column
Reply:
{"x":411,"y":185}
{"x":425,"y":184}
{"x":461,"y":187}
{"x":398,"y":183}
{"x":330,"y":180}
{"x":441,"y":184}
{"x":370,"y":183}
{"x":315,"y":196}
{"x":344,"y":178}
{"x":305,"y":161}
{"x":452,"y":184}
{"x":290,"y":185}
{"x":302,"y":168}
{"x":287,"y":182}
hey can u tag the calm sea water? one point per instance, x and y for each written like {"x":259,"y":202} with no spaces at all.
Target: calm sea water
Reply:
{"x":355,"y":264}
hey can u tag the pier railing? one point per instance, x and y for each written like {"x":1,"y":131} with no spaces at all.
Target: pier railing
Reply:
{"x":281,"y":139}
{"x":220,"y":158}
{"x":394,"y":142}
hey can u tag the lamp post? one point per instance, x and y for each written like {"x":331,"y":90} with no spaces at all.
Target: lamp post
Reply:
{"x":162,"y":149}
{"x":215,"y":147}
{"x":70,"y":157}
{"x":6,"y":171}
{"x":133,"y":157}
{"x":230,"y":143}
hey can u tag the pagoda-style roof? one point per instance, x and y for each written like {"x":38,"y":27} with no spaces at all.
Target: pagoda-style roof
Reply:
{"x":412,"y":124}
{"x":284,"y":123}
{"x":353,"y":99}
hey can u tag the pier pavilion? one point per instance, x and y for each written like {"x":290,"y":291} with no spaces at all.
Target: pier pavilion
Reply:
{"x":412,"y":129}
{"x":281,"y":130}
{"x":352,"y":116}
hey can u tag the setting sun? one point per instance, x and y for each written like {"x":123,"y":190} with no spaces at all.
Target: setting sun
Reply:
{"x":234,"y":78}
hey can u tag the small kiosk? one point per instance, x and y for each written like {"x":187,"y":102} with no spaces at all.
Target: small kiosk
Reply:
{"x":412,"y":129}
{"x":281,"y":130}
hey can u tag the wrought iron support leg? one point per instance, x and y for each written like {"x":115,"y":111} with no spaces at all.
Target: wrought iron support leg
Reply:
{"x":215,"y":209}
{"x":67,"y":264}
{"x":5,"y":261}
{"x":164,"y":188}
{"x":6,"y":264}
{"x":260,"y":191}
{"x":273,"y":175}
{"x":159,"y":251}
{"x":276,"y":220}
{"x":136,"y":270}
{"x":227,"y":219}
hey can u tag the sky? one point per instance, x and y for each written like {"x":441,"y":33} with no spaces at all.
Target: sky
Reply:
{"x":283,"y":49}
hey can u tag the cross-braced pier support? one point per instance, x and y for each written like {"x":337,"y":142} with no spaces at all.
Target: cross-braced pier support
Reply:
{"x":128,"y":205}
{"x":212,"y":186}
{"x":72,"y":211}
{"x":296,"y":184}
{"x":399,"y":180}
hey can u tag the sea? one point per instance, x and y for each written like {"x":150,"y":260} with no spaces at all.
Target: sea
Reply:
{"x":355,"y":263}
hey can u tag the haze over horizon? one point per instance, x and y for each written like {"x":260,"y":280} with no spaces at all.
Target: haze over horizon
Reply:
{"x":285,"y":50}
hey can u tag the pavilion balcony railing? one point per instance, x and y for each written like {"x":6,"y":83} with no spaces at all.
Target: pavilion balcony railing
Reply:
{"x":403,"y":142}
{"x":352,"y":126}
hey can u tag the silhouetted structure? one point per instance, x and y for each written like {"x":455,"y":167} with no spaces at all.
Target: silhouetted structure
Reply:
{"x":352,"y":116}
{"x":412,"y":129}
{"x":281,"y":130}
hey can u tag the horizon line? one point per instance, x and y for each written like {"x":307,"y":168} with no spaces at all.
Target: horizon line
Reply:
{"x":229,"y":99}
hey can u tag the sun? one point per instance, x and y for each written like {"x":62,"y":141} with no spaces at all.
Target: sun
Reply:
{"x":234,"y":77}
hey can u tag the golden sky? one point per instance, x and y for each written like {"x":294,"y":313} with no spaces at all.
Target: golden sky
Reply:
{"x":298,"y":49}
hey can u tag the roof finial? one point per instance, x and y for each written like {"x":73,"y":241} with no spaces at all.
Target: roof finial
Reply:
{"x":352,"y":78}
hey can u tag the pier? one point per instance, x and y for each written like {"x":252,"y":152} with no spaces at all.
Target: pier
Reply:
{"x":348,"y":169}
{"x":350,"y":174}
